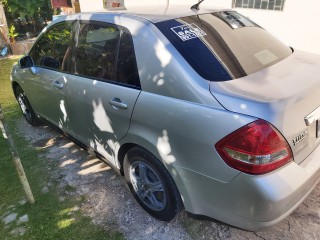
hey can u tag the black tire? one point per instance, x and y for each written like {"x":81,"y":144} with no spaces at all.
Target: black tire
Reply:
{"x":25,"y":107}
{"x":151,"y":184}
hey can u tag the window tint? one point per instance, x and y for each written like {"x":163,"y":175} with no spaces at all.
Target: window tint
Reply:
{"x":223,"y":45}
{"x":96,"y":51}
{"x":127,"y":71}
{"x":53,"y":48}
{"x":105,"y":51}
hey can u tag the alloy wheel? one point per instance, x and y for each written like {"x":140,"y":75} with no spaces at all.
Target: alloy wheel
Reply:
{"x":148,"y":185}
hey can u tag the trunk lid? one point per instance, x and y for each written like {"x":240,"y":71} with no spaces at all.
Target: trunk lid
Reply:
{"x":286,"y":94}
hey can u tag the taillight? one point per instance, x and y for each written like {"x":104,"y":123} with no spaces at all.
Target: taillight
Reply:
{"x":256,"y":148}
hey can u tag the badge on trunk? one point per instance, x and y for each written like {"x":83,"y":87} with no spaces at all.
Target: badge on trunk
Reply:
{"x":299,"y":138}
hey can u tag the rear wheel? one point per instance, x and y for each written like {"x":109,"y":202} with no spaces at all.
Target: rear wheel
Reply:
{"x":151,"y":184}
{"x":26,"y":108}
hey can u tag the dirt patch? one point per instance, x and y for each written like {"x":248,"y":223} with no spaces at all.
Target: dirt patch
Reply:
{"x":109,"y":202}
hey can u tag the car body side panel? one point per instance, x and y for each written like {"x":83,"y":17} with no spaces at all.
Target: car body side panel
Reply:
{"x":184,"y":134}
{"x":96,"y":122}
{"x":47,"y":100}
{"x":165,"y":72}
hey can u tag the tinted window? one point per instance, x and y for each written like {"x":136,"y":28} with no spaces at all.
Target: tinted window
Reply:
{"x":105,"y":51}
{"x":96,"y":51}
{"x":224,"y":45}
{"x":127,"y":71}
{"x":53,"y":48}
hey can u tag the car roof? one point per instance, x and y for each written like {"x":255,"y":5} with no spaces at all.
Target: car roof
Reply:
{"x":157,"y":13}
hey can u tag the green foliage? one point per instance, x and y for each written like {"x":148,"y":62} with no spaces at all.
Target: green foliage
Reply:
{"x":35,"y":12}
{"x":26,"y":8}
{"x":12,"y":32}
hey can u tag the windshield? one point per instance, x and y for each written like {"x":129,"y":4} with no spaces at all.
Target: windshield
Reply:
{"x":224,"y":45}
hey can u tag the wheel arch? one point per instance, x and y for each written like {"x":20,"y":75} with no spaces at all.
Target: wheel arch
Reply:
{"x":130,"y":142}
{"x":124,"y":148}
{"x":145,"y":144}
{"x":14,"y":87}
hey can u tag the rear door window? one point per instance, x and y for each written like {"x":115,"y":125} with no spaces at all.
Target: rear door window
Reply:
{"x":105,"y":52}
{"x":96,"y":51}
{"x":127,"y":71}
{"x":224,"y":45}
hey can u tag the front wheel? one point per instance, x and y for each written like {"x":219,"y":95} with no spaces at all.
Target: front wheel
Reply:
{"x":25,"y":107}
{"x":151,"y":184}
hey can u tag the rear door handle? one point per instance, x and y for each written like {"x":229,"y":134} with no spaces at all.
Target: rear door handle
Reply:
{"x":116,"y":104}
{"x":57,"y":84}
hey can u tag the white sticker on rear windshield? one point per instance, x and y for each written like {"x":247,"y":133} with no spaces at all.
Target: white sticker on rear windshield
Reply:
{"x":188,"y":31}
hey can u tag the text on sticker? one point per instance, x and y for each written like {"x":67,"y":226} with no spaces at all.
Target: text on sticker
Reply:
{"x":188,"y":31}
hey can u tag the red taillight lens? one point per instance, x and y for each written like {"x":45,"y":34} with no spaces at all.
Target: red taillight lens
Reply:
{"x":256,"y":148}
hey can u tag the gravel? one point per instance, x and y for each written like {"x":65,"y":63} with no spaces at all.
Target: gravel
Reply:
{"x":109,"y":202}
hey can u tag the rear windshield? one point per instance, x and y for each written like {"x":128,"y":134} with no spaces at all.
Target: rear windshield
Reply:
{"x":225,"y":45}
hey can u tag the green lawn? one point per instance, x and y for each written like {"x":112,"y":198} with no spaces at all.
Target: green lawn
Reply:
{"x":48,"y":218}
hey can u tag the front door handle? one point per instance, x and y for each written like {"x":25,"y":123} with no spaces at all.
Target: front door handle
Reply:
{"x":116,"y":104}
{"x":57,"y":84}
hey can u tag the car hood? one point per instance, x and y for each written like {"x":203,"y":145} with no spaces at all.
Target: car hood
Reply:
{"x":283,"y":94}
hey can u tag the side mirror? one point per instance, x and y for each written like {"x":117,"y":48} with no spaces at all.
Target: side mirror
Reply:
{"x":26,"y":62}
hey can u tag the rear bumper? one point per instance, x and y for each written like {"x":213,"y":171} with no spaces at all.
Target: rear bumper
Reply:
{"x":252,"y":202}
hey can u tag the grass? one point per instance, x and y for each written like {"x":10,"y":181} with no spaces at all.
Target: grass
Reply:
{"x":49,"y":218}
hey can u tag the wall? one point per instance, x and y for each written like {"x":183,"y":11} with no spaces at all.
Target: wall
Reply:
{"x":96,"y":5}
{"x":297,"y":26}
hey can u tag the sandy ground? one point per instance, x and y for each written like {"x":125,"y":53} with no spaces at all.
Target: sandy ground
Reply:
{"x":109,"y":202}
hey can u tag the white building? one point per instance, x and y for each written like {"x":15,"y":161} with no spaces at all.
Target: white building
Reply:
{"x":295,"y":22}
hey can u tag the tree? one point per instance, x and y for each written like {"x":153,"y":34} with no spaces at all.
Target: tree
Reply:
{"x":34,"y":11}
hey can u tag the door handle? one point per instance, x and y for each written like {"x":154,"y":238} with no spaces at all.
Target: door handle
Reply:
{"x":116,"y":104}
{"x":57,"y":84}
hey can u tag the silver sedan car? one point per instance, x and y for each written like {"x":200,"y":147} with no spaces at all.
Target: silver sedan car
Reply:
{"x":201,"y":110}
